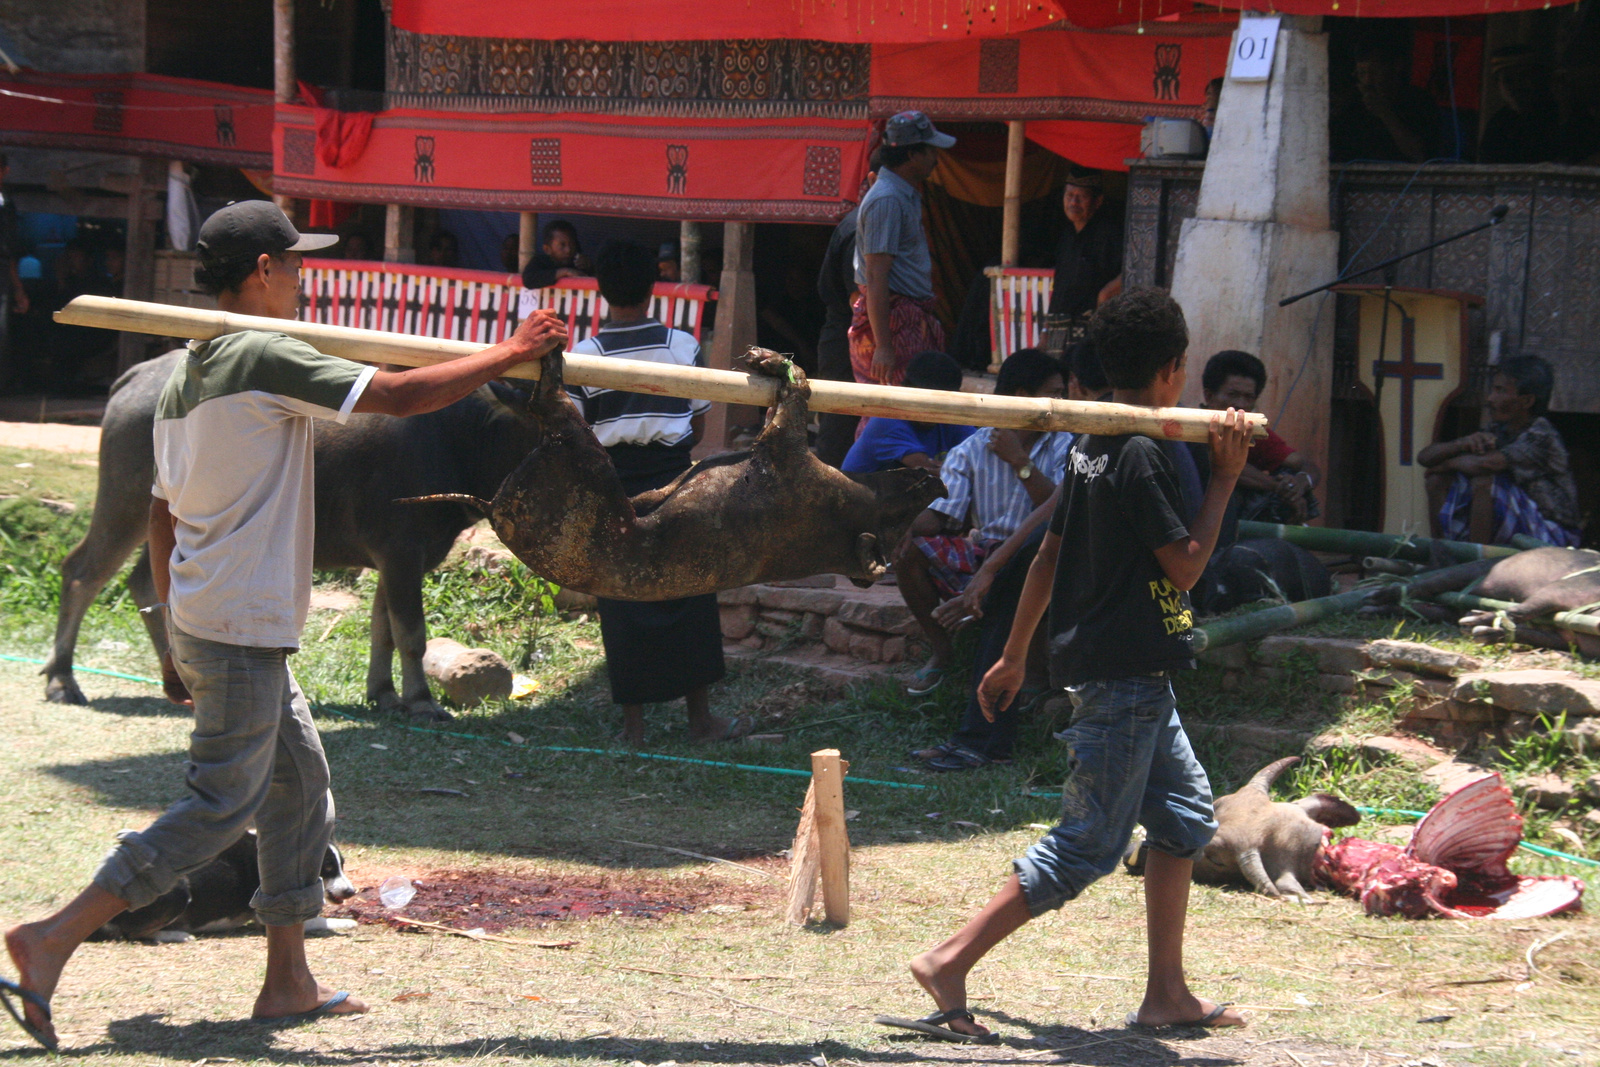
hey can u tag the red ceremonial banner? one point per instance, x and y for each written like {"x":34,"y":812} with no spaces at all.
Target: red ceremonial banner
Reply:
{"x":713,"y":20}
{"x":138,"y":115}
{"x":1103,"y":77}
{"x":1101,"y":145}
{"x":768,"y":170}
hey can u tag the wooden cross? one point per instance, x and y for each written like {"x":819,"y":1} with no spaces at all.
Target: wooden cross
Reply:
{"x":1408,"y":371}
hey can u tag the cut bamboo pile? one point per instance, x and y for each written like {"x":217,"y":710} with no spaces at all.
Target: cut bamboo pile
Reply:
{"x":731,"y":387}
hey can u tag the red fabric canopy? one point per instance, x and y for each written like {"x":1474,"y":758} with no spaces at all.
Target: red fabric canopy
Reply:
{"x":877,"y":21}
{"x":778,"y":170}
{"x":1108,"y":77}
{"x":138,"y":115}
{"x":1102,"y":145}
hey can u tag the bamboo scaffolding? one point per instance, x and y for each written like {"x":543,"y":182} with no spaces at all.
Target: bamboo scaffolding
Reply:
{"x":922,"y":405}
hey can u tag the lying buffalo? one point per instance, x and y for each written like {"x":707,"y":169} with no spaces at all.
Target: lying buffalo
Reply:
{"x":361,"y":468}
{"x":1260,"y":569}
{"x":1541,"y":582}
{"x":775,"y":512}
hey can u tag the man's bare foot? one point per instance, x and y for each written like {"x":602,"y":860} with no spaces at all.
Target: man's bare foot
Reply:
{"x":1186,"y":1011}
{"x":948,"y":990}
{"x":39,"y":966}
{"x":286,"y":1003}
{"x":716,"y":728}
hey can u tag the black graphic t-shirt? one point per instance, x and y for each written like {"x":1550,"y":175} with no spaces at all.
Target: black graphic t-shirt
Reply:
{"x":1113,"y":613}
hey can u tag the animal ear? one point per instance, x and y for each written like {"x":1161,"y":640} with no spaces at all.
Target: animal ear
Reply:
{"x":1329,"y":810}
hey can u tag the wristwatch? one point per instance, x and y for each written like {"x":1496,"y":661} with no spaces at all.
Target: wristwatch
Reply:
{"x":1025,"y":471}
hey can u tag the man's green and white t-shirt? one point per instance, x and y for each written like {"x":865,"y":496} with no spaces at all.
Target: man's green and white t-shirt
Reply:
{"x":234,"y":463}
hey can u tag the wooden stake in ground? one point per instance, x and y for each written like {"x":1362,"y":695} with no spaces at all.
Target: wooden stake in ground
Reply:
{"x":637,"y":376}
{"x":821,"y":845}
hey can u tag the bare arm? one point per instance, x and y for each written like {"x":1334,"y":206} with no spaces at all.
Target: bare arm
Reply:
{"x":1473,"y":466}
{"x":1111,"y":289}
{"x":1007,"y":444}
{"x":697,"y":426}
{"x":969,"y":605}
{"x":921,"y":461}
{"x":424,"y":389}
{"x":877,"y":269}
{"x":1256,"y":478}
{"x":1184,"y":559}
{"x":1441,"y":452}
{"x":162,"y":542}
{"x":1003,"y":681}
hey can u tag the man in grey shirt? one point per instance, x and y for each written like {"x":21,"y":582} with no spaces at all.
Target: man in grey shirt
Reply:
{"x":894,"y":318}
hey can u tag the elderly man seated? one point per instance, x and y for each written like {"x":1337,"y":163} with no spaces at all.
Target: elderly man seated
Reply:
{"x":994,"y":479}
{"x":1511,"y":478}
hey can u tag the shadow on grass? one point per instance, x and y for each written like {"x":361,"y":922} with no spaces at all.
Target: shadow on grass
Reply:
{"x":151,"y":707}
{"x":150,"y":1035}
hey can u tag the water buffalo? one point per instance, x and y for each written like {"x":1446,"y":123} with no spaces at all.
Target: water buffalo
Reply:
{"x":1247,"y":571}
{"x":775,"y":512}
{"x":1541,"y":582}
{"x":362,"y":468}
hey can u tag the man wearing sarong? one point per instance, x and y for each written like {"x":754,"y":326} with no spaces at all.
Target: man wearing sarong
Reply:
{"x":656,"y":651}
{"x":894,"y":269}
{"x":1511,"y":478}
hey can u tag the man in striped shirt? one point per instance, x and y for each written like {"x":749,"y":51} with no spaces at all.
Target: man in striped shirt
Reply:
{"x":994,"y":480}
{"x":661,"y":650}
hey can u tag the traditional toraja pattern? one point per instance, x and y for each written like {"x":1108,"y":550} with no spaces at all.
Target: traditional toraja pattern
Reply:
{"x":469,"y":305}
{"x":138,"y":114}
{"x":770,"y":169}
{"x":1018,"y":298}
{"x":723,"y":79}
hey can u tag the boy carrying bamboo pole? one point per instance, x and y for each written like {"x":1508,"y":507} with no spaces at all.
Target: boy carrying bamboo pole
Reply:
{"x":1113,"y":570}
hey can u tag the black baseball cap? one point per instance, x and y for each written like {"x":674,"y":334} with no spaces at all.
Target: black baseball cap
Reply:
{"x":246,"y":228}
{"x":913,"y":127}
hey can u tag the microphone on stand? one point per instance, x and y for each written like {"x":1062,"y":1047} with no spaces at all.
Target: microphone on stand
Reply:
{"x":1496,"y":217}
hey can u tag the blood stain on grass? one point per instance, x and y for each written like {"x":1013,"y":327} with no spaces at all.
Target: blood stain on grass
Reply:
{"x":485,"y":899}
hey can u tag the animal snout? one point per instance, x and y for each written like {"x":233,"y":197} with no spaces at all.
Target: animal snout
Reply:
{"x":336,"y":887}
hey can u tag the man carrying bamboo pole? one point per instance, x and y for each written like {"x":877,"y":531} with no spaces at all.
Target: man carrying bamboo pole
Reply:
{"x":230,"y":549}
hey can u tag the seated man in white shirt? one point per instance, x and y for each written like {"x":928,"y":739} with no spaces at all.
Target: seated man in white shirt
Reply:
{"x":994,"y":479}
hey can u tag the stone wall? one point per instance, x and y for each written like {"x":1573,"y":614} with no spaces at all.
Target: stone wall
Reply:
{"x":873,"y":626}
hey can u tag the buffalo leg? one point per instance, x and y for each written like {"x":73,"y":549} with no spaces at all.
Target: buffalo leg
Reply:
{"x":142,"y":584}
{"x":380,"y":661}
{"x":85,"y":571}
{"x":403,"y":580}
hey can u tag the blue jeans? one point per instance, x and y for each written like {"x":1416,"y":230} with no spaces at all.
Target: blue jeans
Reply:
{"x":1131,"y":763}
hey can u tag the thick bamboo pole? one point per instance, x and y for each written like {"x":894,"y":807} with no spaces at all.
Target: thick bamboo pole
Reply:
{"x":733,"y":387}
{"x":1365,"y":542}
{"x":1232,"y":630}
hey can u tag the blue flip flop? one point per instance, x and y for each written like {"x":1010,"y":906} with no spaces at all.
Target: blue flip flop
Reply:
{"x":325,"y":1008}
{"x":7,"y":989}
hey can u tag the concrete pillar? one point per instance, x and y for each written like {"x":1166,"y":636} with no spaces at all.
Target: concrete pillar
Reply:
{"x":399,"y":234}
{"x":689,"y":251}
{"x":283,"y":87}
{"x":146,"y":197}
{"x":527,"y":237}
{"x":1261,"y":232}
{"x":736,"y":327}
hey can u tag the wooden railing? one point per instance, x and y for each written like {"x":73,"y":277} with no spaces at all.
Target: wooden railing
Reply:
{"x":1018,"y":298}
{"x":470,"y":305}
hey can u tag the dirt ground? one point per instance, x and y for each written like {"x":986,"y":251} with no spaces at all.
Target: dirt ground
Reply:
{"x":682,"y":962}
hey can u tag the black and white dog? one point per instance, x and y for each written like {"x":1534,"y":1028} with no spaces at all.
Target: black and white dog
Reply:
{"x":217,"y":897}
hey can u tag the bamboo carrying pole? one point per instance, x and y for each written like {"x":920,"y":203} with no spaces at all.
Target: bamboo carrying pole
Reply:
{"x":733,"y":387}
{"x":833,"y":842}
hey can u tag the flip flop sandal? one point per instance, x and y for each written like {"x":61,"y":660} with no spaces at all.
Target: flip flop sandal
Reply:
{"x":961,"y":758}
{"x":325,"y":1008}
{"x":1205,"y":1020}
{"x":925,"y":680}
{"x":7,"y":989}
{"x":933,"y":1026}
{"x":934,"y":751}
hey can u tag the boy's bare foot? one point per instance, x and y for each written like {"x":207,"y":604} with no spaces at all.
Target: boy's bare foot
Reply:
{"x":39,"y":966}
{"x":715,"y":728}
{"x":286,"y":1003}
{"x":947,"y":988}
{"x":1186,"y":1011}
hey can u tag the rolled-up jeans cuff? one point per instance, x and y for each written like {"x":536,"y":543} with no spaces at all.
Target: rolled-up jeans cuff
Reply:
{"x":286,"y":909}
{"x":133,"y":872}
{"x":1042,"y":892}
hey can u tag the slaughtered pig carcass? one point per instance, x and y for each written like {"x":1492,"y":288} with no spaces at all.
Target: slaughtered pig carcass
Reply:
{"x":1455,"y":865}
{"x":773,"y":513}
